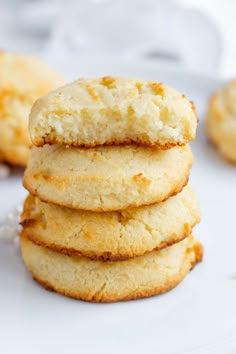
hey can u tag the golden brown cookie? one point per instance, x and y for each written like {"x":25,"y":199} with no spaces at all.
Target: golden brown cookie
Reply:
{"x":113,"y":111}
{"x":98,"y":281}
{"x":106,"y":178}
{"x":111,"y":235}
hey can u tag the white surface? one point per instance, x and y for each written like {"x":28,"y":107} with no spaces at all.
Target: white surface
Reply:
{"x":199,"y":316}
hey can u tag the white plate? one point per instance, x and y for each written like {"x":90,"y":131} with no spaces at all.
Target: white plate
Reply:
{"x":198,"y":316}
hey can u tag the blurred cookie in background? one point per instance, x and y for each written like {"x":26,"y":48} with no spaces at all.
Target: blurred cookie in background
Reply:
{"x":221,"y":120}
{"x":23,"y":80}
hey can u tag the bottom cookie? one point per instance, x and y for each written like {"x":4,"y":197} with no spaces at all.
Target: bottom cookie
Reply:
{"x":99,"y":281}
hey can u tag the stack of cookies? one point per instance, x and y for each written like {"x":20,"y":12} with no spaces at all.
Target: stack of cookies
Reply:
{"x":110,"y":212}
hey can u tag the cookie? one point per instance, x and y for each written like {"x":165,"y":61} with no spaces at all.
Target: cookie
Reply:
{"x":98,"y":281}
{"x":113,"y":111}
{"x":111,"y":235}
{"x":23,"y":80}
{"x":106,"y":178}
{"x":221,"y":121}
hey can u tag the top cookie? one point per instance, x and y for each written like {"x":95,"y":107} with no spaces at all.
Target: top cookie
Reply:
{"x":23,"y":79}
{"x":113,"y":111}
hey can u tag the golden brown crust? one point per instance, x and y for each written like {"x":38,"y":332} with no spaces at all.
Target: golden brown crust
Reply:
{"x":28,"y":223}
{"x":137,"y":295}
{"x":138,"y":141}
{"x":199,"y":253}
{"x":98,"y":298}
{"x":105,"y":256}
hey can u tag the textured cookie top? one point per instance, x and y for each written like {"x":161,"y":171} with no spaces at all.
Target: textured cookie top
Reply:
{"x":112,"y":110}
{"x":23,"y":80}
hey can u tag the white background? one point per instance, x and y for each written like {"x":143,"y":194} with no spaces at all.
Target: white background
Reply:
{"x":75,"y":27}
